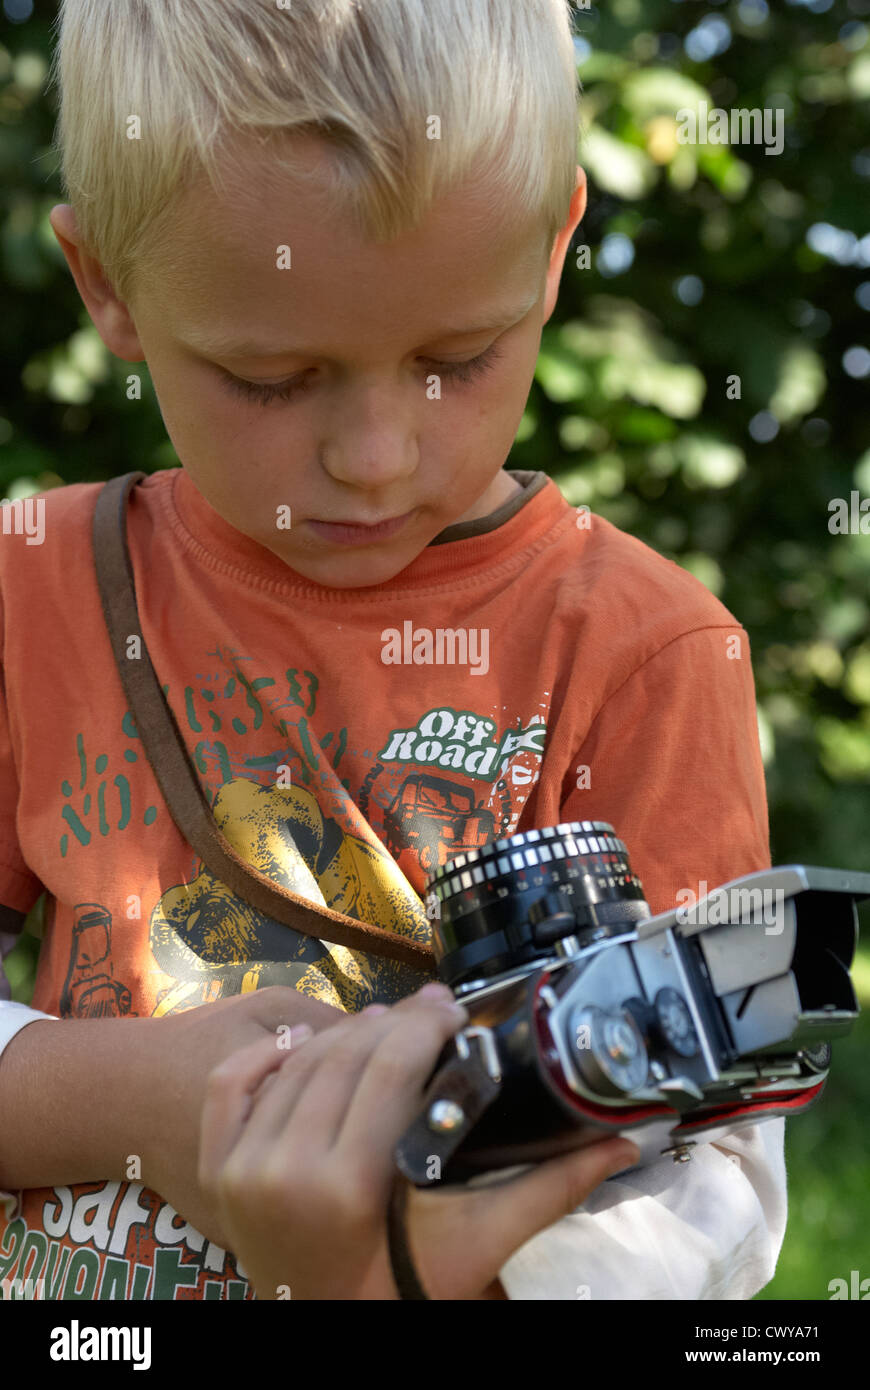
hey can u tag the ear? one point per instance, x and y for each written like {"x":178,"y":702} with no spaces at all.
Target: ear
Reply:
{"x":560,"y":246}
{"x":111,"y":318}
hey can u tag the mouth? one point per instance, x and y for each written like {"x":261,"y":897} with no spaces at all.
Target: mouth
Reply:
{"x":357,"y":533}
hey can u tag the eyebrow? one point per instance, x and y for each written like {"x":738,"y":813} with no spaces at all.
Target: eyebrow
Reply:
{"x":227,"y":347}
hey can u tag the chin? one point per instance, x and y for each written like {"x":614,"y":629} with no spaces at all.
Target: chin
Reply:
{"x":346,"y":571}
{"x":357,"y":576}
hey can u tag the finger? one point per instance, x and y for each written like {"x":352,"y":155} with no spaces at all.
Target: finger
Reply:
{"x":268,"y":1123}
{"x":281,"y":1004}
{"x":391,"y":1087}
{"x":322,"y":1112}
{"x":516,"y":1210}
{"x":229,"y":1097}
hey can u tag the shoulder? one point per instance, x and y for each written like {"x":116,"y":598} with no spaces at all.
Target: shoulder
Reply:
{"x":629,"y":578}
{"x":623,"y":602}
{"x":42,"y":533}
{"x":47,"y":540}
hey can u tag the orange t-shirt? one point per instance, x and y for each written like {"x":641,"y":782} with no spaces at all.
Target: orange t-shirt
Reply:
{"x":344,"y":755}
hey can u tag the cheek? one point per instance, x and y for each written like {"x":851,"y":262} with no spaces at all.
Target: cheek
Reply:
{"x":203,"y":423}
{"x":238,"y":444}
{"x":243,"y":499}
{"x":232,"y":448}
{"x":230,"y":422}
{"x":499,"y":406}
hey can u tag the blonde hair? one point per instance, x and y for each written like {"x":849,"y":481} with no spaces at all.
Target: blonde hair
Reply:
{"x":367,"y":76}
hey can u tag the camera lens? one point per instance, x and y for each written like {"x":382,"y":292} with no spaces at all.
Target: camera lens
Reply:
{"x":507,"y":903}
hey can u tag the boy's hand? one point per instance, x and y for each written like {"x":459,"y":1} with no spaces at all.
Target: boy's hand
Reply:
{"x":188,"y":1047}
{"x":297,"y":1157}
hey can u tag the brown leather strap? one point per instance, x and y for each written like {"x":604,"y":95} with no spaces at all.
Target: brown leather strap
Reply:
{"x":176,"y":776}
{"x":466,"y":1082}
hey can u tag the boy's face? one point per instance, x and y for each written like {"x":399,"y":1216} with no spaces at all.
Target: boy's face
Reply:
{"x":364,"y":328}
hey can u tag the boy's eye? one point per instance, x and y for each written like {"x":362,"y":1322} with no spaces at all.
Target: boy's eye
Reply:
{"x":462,"y":372}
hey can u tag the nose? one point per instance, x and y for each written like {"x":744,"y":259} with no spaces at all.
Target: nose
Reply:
{"x":371,"y":440}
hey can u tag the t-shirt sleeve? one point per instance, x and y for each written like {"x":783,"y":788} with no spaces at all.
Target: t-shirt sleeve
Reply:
{"x":19,"y":887}
{"x":673,"y":762}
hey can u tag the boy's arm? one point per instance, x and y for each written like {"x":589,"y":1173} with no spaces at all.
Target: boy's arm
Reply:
{"x":13,"y":1017}
{"x":149,"y":1076}
{"x":47,"y":1075}
{"x":675,"y":766}
{"x":48,"y":1079}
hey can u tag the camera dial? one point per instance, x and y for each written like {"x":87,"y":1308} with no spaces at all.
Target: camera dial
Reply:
{"x":608,"y":1049}
{"x":675,"y":1022}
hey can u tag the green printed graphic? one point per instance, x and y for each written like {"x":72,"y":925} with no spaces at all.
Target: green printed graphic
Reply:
{"x":115,"y":808}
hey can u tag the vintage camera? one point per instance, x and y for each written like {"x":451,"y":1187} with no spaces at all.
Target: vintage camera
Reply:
{"x":591,"y":1018}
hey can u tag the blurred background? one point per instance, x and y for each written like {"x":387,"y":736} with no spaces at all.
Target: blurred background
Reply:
{"x":696,"y":264}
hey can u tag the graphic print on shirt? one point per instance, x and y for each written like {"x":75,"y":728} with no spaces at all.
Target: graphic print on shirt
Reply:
{"x":366,"y":859}
{"x":90,"y":989}
{"x":435,"y":818}
{"x":216,"y":945}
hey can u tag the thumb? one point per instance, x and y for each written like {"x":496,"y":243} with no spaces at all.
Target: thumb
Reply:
{"x":518,"y":1209}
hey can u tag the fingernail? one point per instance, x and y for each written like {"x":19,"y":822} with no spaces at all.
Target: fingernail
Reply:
{"x":454,"y":1007}
{"x":301,"y":1033}
{"x":375,"y":1010}
{"x":435,"y":991}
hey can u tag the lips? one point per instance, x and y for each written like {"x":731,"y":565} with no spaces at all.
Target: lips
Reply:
{"x":372,"y":524}
{"x":358,"y":533}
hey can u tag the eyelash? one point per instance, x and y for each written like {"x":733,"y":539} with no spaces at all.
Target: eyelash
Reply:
{"x":462,"y":372}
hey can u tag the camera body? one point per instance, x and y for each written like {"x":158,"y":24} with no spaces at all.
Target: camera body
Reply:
{"x":590,"y":1018}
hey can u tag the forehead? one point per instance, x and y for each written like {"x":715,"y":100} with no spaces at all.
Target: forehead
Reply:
{"x":220,"y":269}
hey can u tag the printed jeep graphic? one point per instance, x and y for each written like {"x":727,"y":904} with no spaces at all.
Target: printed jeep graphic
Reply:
{"x":435,"y":818}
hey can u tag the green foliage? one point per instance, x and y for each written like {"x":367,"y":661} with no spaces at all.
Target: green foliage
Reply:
{"x":826,"y":1163}
{"x":706,"y":263}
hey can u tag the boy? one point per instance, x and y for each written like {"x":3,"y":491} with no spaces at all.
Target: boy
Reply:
{"x":334,"y":233}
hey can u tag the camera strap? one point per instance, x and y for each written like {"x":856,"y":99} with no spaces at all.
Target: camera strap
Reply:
{"x":471,"y":1089}
{"x":466,"y":1086}
{"x":176,"y":776}
{"x":401,"y":1260}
